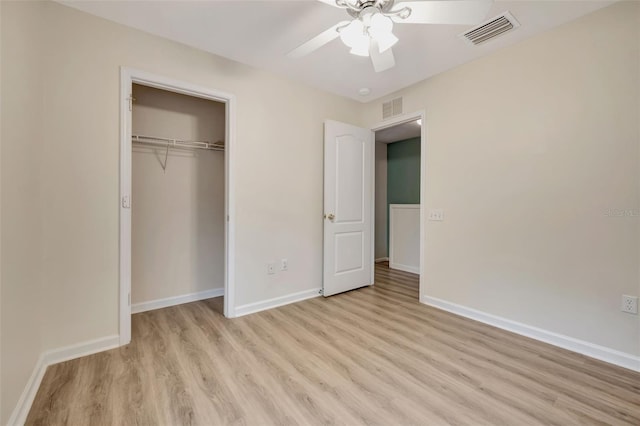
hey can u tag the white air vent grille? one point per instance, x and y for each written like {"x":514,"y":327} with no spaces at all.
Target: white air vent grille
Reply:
{"x":490,"y":29}
{"x":392,"y":108}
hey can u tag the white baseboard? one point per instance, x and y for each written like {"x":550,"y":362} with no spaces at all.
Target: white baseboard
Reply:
{"x":405,"y":268}
{"x":78,"y":350}
{"x":382,"y":259}
{"x":592,"y":350}
{"x":50,"y":357}
{"x":21,"y":411}
{"x":251,"y":308}
{"x":136,"y":308}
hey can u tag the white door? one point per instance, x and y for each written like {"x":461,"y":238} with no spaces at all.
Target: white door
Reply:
{"x":348,"y":160}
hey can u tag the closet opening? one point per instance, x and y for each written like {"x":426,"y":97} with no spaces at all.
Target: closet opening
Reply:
{"x":176,"y":235}
{"x":397,"y":228}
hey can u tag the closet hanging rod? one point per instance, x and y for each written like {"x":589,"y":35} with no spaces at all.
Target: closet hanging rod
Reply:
{"x":177,"y":143}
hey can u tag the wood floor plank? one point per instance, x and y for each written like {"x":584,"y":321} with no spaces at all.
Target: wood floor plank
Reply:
{"x":449,"y":382}
{"x":372,"y":356}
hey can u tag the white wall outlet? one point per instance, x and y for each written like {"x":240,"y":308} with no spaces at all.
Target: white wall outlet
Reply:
{"x":271,"y":268}
{"x":629,"y":304}
{"x":436,"y":215}
{"x":284,"y":265}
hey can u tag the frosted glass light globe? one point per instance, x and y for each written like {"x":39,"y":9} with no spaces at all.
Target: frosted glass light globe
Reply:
{"x":380,"y":28}
{"x":354,"y":36}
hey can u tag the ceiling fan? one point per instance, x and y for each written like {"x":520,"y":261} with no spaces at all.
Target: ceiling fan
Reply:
{"x":370,"y":32}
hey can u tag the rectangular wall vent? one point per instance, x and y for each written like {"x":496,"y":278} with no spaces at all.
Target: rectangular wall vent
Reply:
{"x":490,"y":29}
{"x":392,"y":108}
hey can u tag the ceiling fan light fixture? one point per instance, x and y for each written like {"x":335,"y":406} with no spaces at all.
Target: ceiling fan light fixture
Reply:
{"x":380,"y":29}
{"x":370,"y":30}
{"x":380,"y":24}
{"x":361,"y":49}
{"x":355,"y":36}
{"x":352,"y":32}
{"x":386,"y":41}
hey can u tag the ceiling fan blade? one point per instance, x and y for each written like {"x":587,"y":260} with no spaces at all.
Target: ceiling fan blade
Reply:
{"x":381,"y":61}
{"x":462,"y":12}
{"x":317,"y":42}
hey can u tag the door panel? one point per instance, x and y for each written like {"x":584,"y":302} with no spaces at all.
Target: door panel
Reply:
{"x":349,"y":247}
{"x":348,"y":261}
{"x":349,"y":179}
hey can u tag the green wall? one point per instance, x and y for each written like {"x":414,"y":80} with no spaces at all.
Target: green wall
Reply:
{"x":403,"y":174}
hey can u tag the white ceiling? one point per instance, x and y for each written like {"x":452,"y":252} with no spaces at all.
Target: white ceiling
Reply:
{"x":260,"y":33}
{"x":400,"y":132}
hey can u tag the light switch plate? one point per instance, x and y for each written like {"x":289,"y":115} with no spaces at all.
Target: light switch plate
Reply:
{"x":436,"y":215}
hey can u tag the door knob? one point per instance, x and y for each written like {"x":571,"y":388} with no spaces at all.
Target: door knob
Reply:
{"x":329,"y":216}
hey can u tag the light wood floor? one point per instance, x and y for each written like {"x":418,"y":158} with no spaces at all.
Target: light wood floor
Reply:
{"x":371,"y":356}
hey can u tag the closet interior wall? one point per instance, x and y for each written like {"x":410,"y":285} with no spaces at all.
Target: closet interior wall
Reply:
{"x":177,"y":211}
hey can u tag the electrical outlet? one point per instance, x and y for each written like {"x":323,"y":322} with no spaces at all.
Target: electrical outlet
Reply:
{"x":629,"y":304}
{"x":271,"y":268}
{"x":284,"y":265}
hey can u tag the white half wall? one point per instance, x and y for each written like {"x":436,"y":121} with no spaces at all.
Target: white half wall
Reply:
{"x":532,"y":153}
{"x":178,"y":213}
{"x":404,"y":237}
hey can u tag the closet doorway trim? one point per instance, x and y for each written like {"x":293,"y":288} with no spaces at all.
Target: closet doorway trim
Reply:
{"x":129,"y":76}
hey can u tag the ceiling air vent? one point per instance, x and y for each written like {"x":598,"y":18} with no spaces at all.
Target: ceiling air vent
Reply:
{"x":391,"y":108}
{"x":490,"y":29}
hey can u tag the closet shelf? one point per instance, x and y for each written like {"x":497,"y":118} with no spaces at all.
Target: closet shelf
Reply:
{"x":177,"y":143}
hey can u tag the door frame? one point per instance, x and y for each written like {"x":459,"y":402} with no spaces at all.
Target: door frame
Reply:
{"x":394,"y":121}
{"x":129,"y":76}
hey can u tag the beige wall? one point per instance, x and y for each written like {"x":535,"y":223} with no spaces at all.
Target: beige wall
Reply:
{"x":381,"y":201}
{"x":74,"y":198}
{"x":177,"y":213}
{"x":279,"y":137}
{"x":526,"y":150}
{"x":21,"y":231}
